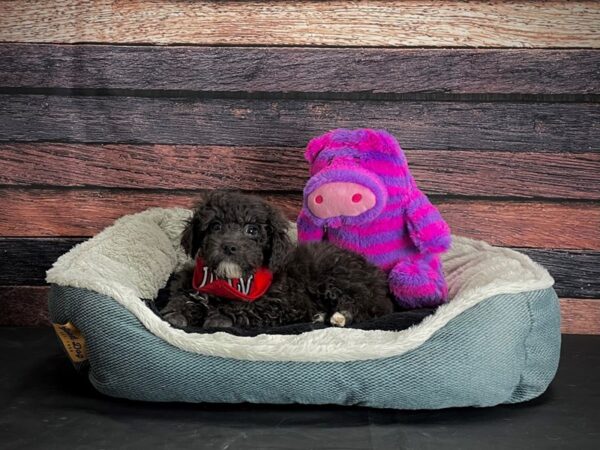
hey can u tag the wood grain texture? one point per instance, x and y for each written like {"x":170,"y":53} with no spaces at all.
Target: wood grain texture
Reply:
{"x":78,"y":213}
{"x":171,"y":167}
{"x":24,"y":306}
{"x":431,"y":125}
{"x":155,"y":166}
{"x":28,"y":306}
{"x":307,"y":70}
{"x":44,"y":212}
{"x":576,"y":273}
{"x":26,"y":260}
{"x":528,"y":224}
{"x":507,"y":174}
{"x":579,"y":316}
{"x":336,"y":23}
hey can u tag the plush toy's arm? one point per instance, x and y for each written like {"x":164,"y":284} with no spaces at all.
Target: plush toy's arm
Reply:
{"x":428,"y":231}
{"x":307,"y":230}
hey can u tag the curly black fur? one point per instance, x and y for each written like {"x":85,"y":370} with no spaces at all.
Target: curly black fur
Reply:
{"x":312,"y":282}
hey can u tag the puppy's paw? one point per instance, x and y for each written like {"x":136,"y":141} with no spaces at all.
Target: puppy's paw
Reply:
{"x":176,"y":319}
{"x":341,"y":319}
{"x":319,"y":318}
{"x":218,"y":321}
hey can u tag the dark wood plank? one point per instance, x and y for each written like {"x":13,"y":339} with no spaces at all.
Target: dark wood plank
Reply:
{"x":430,"y":125}
{"x":28,"y":306}
{"x":25,"y":261}
{"x":312,"y":70}
{"x":42,"y":212}
{"x":417,"y":23}
{"x":579,"y":316}
{"x":577,"y":273}
{"x":455,"y":172}
{"x":551,"y":175}
{"x":24,"y":306}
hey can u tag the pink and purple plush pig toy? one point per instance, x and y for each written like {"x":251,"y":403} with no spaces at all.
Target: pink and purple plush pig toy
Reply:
{"x":362,"y":197}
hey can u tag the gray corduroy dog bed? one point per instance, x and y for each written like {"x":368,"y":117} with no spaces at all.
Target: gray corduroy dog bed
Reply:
{"x":496,"y":341}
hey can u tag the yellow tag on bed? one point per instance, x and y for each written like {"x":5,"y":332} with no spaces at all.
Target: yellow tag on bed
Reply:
{"x":72,"y":341}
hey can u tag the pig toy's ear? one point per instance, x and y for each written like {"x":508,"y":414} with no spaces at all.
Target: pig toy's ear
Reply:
{"x":384,"y":142}
{"x":315,"y":146}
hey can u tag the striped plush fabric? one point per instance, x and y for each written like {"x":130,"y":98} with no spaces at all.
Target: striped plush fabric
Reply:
{"x":362,"y":197}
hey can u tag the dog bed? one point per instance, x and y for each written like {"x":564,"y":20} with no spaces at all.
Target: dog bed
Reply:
{"x":496,"y":341}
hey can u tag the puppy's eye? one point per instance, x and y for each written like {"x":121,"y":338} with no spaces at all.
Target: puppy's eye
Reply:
{"x":251,"y":230}
{"x":216,"y":226}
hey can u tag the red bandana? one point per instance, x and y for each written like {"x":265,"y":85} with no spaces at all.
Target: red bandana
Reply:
{"x":247,"y":290}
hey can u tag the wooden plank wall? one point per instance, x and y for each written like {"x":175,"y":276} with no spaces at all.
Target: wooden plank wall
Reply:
{"x":110,"y":107}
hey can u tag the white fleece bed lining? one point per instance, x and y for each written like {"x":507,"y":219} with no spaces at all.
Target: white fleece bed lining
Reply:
{"x":475,"y":271}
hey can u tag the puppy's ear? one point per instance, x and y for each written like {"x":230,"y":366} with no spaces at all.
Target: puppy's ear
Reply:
{"x":189,"y":241}
{"x":280,"y":244}
{"x":195,"y":230}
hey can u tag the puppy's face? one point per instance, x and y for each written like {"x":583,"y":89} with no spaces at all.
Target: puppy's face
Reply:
{"x":235,"y":234}
{"x":234,"y":246}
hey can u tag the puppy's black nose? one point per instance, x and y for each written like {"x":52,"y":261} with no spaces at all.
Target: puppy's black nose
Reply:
{"x":229,"y":249}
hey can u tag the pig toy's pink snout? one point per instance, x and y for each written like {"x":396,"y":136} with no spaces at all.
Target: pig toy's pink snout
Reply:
{"x":340,"y":199}
{"x":344,"y":196}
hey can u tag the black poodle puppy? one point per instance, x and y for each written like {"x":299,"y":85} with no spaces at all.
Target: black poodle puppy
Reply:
{"x":234,"y":234}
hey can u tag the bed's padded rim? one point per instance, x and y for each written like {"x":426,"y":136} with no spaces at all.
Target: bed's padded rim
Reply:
{"x":502,"y":350}
{"x":133,"y":259}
